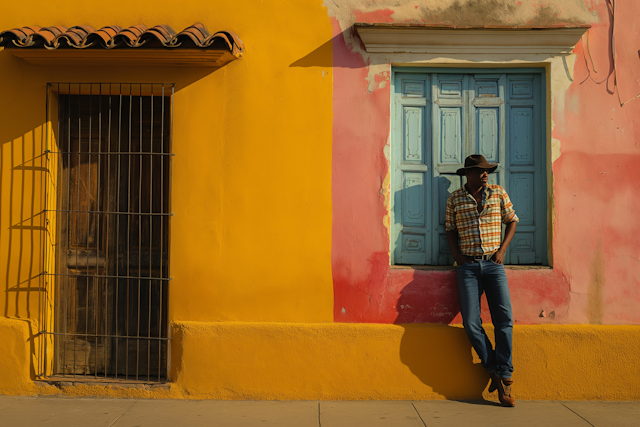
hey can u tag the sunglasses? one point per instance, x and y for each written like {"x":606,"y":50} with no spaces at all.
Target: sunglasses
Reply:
{"x":479,"y":171}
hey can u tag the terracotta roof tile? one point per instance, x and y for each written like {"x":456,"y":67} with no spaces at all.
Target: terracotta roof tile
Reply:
{"x":106,"y":34}
{"x":113,"y":36}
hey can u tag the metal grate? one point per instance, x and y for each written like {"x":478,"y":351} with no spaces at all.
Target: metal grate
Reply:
{"x":108,"y":218}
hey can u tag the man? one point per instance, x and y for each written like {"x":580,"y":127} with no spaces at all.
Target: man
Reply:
{"x":473,"y":222}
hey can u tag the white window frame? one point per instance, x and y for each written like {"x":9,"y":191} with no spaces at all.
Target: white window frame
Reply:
{"x":552,"y":48}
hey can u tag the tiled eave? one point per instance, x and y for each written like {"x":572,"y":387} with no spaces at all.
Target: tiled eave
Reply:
{"x":112,"y":45}
{"x":476,"y":40}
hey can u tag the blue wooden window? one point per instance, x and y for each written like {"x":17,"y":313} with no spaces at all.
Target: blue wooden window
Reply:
{"x":440,"y":116}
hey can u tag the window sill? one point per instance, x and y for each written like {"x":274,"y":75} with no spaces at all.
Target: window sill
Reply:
{"x":422,"y":267}
{"x":451,"y":267}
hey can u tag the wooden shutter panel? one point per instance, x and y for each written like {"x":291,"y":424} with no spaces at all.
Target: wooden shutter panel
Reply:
{"x":487,"y":121}
{"x":526,"y":183}
{"x":411,"y":226}
{"x":450,"y":107}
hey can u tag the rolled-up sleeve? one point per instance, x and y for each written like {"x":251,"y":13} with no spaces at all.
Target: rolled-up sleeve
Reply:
{"x":450,"y":215}
{"x":508,"y":213}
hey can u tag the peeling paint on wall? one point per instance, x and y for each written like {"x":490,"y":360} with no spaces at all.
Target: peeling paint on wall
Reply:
{"x":460,"y":12}
{"x":596,"y":304}
{"x":582,"y":124}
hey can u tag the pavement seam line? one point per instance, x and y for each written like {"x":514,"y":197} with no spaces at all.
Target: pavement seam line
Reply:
{"x":11,"y":399}
{"x":2,"y":407}
{"x":128,"y":409}
{"x":577,"y":414}
{"x":319,"y":421}
{"x":419,"y":416}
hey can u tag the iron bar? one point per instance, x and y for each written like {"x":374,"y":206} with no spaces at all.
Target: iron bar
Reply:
{"x":68,"y":230}
{"x":111,"y":213}
{"x":139,"y":239}
{"x":118,"y":223}
{"x":96,"y":303}
{"x":78,"y":170}
{"x":161,"y":232}
{"x":126,"y":369}
{"x":166,"y":279}
{"x":58,"y":225}
{"x":117,"y":83}
{"x":107,"y":246}
{"x":42,"y":283}
{"x":169,"y":200}
{"x":150,"y":238}
{"x":106,"y":336}
{"x":86,"y":310}
{"x":123,"y":153}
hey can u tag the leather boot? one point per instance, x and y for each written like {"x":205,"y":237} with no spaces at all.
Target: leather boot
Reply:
{"x":504,"y":392}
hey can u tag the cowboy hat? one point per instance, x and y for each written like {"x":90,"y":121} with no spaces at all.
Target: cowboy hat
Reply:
{"x":476,"y":161}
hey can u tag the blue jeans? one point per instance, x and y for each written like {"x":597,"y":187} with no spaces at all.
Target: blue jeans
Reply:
{"x":488,"y":277}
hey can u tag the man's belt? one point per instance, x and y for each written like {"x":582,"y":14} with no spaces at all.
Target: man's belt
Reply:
{"x":485,"y":257}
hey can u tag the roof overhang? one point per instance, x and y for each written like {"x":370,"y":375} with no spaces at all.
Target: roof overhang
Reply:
{"x":112,"y":45}
{"x":428,"y":39}
{"x":137,"y":57}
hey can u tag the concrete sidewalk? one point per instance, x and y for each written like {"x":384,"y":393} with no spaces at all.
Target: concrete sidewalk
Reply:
{"x":70,"y":412}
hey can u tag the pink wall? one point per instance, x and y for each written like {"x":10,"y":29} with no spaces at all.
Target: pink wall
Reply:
{"x":596,"y":273}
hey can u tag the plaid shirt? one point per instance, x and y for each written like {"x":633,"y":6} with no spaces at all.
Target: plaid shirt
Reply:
{"x":479,"y":233}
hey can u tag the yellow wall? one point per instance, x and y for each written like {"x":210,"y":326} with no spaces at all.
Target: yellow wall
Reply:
{"x":251,"y":234}
{"x":286,"y":361}
{"x":250,"y":239}
{"x":397,"y":362}
{"x":15,"y":362}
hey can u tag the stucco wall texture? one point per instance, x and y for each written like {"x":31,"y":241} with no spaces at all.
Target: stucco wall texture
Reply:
{"x":595,"y":274}
{"x":250,"y":223}
{"x":282,"y":287}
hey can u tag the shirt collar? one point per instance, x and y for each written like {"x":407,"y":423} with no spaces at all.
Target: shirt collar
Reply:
{"x":486,"y":189}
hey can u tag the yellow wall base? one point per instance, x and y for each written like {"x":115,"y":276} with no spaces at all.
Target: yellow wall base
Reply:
{"x":291,"y":361}
{"x":15,"y":357}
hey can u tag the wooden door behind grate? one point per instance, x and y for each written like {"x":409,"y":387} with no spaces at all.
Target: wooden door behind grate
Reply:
{"x":113,"y":217}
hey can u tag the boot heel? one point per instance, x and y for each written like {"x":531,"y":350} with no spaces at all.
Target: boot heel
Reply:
{"x":505,"y":393}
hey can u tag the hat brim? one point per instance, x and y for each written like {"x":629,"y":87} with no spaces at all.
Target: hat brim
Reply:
{"x":489,"y":167}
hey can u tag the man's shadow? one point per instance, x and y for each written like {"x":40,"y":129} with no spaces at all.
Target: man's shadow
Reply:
{"x":439,"y":354}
